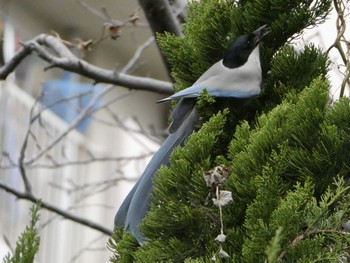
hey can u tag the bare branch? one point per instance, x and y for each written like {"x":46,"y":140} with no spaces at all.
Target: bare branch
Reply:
{"x":59,"y":211}
{"x":9,"y":245}
{"x":63,"y":58}
{"x":75,"y":123}
{"x":137,"y":55}
{"x":11,"y":65}
{"x":103,"y":14}
{"x":160,"y":16}
{"x":340,"y":7}
{"x":93,"y":11}
{"x":24,"y":164}
{"x":21,"y":164}
{"x":91,"y":186}
{"x":87,"y":247}
{"x":90,"y":161}
{"x":161,"y":19}
{"x":157,"y":137}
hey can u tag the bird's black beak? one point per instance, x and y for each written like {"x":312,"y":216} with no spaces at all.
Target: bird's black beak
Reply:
{"x":260,"y":33}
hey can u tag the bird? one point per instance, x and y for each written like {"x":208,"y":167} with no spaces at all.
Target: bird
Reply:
{"x":237,"y":75}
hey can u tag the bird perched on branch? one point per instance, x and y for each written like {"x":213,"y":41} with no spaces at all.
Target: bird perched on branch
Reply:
{"x":237,"y":75}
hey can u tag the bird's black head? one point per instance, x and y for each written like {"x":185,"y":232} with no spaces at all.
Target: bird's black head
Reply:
{"x":240,"y":49}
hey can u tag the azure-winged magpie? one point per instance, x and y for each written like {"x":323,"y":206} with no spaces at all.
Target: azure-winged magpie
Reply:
{"x":237,"y":75}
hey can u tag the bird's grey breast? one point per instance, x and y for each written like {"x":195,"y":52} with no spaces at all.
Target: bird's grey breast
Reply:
{"x":243,"y":81}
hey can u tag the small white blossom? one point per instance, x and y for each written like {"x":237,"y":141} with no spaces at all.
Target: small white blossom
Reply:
{"x":225,"y":197}
{"x":223,"y":254}
{"x":221,"y":238}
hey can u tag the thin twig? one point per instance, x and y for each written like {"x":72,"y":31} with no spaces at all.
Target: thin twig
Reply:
{"x":340,"y":7}
{"x":89,"y":161}
{"x":72,"y":126}
{"x":9,"y":245}
{"x":59,"y":211}
{"x":104,"y":15}
{"x":137,"y":54}
{"x":21,"y":163}
{"x":87,"y":248}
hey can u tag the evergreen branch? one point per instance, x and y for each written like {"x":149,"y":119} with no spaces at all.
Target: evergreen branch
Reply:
{"x":55,"y":209}
{"x":308,"y":234}
{"x":338,"y":195}
{"x":63,"y":58}
{"x":28,"y":243}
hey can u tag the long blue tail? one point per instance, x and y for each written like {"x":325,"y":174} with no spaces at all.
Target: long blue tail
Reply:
{"x":137,"y":202}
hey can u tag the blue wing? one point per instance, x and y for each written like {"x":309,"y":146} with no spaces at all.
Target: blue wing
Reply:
{"x":194,"y":91}
{"x":137,"y":202}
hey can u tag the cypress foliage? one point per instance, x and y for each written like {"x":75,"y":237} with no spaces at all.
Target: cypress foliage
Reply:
{"x":28,"y":243}
{"x":286,"y":152}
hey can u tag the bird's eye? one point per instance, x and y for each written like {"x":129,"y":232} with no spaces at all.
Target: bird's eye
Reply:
{"x":250,"y":41}
{"x":248,"y":44}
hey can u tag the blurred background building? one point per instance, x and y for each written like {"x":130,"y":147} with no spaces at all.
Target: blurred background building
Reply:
{"x":113,"y":144}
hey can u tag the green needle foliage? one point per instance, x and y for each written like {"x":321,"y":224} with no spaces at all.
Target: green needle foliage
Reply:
{"x":28,"y":243}
{"x":287,"y":152}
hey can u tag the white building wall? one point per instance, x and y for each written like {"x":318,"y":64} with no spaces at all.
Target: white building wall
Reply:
{"x":79,"y":189}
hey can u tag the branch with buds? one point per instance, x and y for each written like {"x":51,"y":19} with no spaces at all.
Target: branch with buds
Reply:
{"x":58,"y":55}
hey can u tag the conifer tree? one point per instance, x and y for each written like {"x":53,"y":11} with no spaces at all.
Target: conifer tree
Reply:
{"x":264,"y":180}
{"x":28,"y":242}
